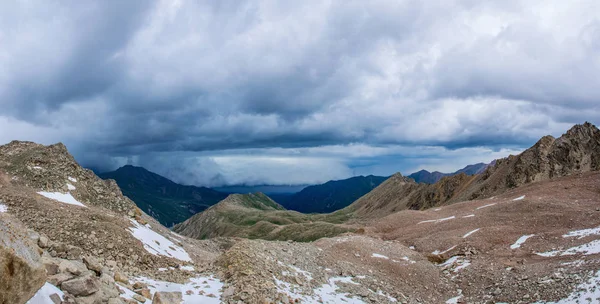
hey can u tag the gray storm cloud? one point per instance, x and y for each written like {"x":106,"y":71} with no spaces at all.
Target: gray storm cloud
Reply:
{"x":209,"y":79}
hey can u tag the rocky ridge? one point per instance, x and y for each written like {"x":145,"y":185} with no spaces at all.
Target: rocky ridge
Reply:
{"x":576,"y":151}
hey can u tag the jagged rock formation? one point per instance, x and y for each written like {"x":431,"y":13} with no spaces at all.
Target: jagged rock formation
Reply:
{"x":576,"y":151}
{"x":168,"y":202}
{"x":258,"y":216}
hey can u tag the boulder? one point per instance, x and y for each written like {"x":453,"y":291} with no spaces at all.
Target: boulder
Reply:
{"x":92,"y":264}
{"x":163,"y":297}
{"x":81,"y":286}
{"x":120,"y":277}
{"x":21,"y":271}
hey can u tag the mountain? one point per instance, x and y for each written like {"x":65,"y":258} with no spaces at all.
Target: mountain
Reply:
{"x":525,"y":230}
{"x":256,"y":215}
{"x":163,"y":199}
{"x":427,"y":177}
{"x":576,"y":151}
{"x":332,"y":195}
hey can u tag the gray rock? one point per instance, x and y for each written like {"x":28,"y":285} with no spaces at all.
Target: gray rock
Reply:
{"x":21,"y":271}
{"x":55,"y":298}
{"x":43,"y":241}
{"x":59,"y":278}
{"x":51,"y":265}
{"x":92,"y":264}
{"x":163,"y":297}
{"x":81,"y":286}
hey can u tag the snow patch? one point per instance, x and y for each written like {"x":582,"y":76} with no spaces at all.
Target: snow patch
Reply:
{"x":295,"y":271}
{"x":454,"y":300}
{"x":70,"y":187}
{"x":485,"y":206}
{"x":587,"y":292}
{"x":42,"y":296}
{"x":520,"y":241}
{"x":519,"y":198}
{"x":379,"y":256}
{"x":38,"y":168}
{"x":66,"y":198}
{"x":437,"y":209}
{"x":470,"y":215}
{"x":158,"y":244}
{"x":456,"y":263}
{"x":205,"y":289}
{"x":592,"y":247}
{"x":405,"y":258}
{"x":470,"y":232}
{"x":72,"y":179}
{"x":3,"y":208}
{"x":327,"y":293}
{"x":442,"y":252}
{"x":186,"y":268}
{"x":583,"y":233}
{"x":438,"y":220}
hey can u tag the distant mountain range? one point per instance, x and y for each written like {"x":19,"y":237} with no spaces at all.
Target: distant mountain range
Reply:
{"x":427,"y":177}
{"x":171,"y":203}
{"x":332,"y":195}
{"x":168,"y":202}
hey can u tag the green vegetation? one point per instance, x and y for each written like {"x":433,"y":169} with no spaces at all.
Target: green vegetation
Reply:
{"x":256,"y":216}
{"x":166,"y":201}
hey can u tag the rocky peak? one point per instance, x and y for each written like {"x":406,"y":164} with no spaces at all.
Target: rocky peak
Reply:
{"x":399,"y":178}
{"x":53,"y":169}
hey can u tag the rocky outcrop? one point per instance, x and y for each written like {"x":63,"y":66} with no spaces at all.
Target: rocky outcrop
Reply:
{"x":52,"y":168}
{"x":576,"y":151}
{"x":21,"y":272}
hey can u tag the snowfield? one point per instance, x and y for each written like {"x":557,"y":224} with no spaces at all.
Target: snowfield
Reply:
{"x":66,"y":198}
{"x":158,"y":244}
{"x":3,"y":208}
{"x":519,"y":198}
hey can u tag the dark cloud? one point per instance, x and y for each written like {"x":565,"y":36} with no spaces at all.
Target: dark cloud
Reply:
{"x":153,"y":80}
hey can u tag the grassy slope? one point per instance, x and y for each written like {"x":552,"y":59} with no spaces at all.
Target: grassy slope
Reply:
{"x":257,"y":216}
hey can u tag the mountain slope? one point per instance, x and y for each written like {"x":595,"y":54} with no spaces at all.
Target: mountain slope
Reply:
{"x":332,"y":195}
{"x":163,"y":199}
{"x":578,"y":150}
{"x":427,"y":177}
{"x":257,"y":216}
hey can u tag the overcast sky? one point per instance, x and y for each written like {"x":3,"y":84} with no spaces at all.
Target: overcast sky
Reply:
{"x":295,"y":92}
